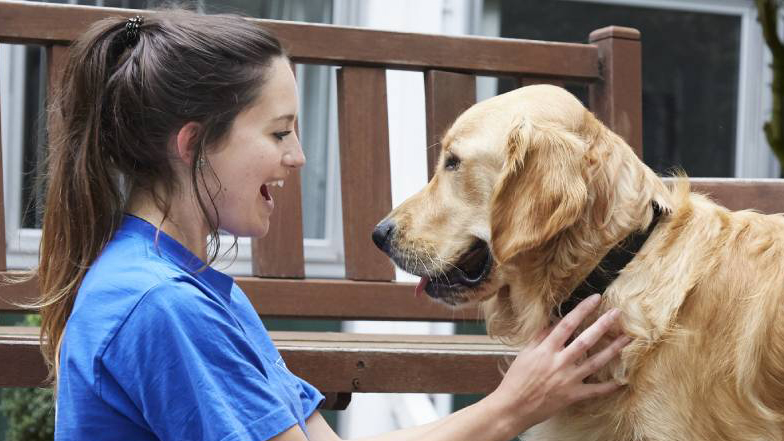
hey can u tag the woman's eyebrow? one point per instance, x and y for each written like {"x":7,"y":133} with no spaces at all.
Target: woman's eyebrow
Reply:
{"x":287,"y":117}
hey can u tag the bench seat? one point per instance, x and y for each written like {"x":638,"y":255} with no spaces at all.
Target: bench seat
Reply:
{"x":336,"y":363}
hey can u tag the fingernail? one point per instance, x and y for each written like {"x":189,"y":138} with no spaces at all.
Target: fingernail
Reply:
{"x":596,"y":298}
{"x":614,"y":313}
{"x":625,"y":340}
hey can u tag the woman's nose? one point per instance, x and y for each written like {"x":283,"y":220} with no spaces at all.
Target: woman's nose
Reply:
{"x":294,"y":157}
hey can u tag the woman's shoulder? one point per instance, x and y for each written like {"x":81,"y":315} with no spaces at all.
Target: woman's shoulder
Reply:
{"x":115,"y":285}
{"x":123,"y":273}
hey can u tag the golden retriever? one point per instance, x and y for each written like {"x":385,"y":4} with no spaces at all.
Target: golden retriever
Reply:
{"x":530,"y":193}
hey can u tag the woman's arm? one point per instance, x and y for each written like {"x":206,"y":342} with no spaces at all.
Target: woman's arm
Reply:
{"x":542,"y":380}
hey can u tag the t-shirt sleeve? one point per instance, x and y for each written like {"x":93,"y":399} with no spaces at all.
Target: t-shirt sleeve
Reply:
{"x":310,"y":396}
{"x":188,"y":367}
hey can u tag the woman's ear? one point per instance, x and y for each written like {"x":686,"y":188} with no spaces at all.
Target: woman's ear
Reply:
{"x":186,"y":142}
{"x":541,"y":190}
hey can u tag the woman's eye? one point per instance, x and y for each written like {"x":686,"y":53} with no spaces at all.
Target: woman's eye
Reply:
{"x":452,"y":162}
{"x":281,"y":135}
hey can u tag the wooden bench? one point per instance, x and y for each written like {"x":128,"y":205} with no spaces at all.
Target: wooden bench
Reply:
{"x":609,"y":65}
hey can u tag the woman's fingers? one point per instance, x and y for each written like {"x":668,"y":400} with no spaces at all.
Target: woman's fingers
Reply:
{"x":593,"y":390}
{"x":569,"y":324}
{"x":596,"y":361}
{"x":580,"y":345}
{"x":539,"y":338}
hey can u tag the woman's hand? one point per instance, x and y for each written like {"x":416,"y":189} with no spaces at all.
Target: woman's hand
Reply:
{"x":545,"y":376}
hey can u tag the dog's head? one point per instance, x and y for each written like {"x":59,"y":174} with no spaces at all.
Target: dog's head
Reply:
{"x":510,"y":177}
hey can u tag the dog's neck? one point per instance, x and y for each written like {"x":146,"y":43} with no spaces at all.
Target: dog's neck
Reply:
{"x":540,"y":279}
{"x":608,"y":269}
{"x":629,"y":200}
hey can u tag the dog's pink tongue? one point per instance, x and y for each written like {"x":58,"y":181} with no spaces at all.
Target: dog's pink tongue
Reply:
{"x":421,"y":286}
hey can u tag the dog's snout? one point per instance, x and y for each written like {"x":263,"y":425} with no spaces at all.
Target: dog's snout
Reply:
{"x":382,"y":234}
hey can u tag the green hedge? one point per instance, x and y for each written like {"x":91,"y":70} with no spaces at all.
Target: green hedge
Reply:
{"x":29,"y":414}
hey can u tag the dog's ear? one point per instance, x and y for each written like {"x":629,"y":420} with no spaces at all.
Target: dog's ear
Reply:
{"x":541,"y":190}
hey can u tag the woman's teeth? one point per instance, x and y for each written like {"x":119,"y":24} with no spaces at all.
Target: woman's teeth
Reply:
{"x":276,"y":183}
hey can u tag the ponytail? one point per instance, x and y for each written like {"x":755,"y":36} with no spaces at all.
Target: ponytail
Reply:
{"x":83,"y":206}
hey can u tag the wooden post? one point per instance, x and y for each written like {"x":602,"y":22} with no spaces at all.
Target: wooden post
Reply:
{"x":447,"y":95}
{"x":364,"y":169}
{"x":617,"y":98}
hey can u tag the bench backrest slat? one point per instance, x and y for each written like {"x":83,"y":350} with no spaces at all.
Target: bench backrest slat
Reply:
{"x":364,"y":168}
{"x":447,"y":95}
{"x":342,"y":299}
{"x":617,"y":99}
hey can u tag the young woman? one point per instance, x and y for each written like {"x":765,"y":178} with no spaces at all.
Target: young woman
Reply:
{"x":167,"y":128}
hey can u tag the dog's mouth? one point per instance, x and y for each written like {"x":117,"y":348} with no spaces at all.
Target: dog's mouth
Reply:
{"x":471,"y":270}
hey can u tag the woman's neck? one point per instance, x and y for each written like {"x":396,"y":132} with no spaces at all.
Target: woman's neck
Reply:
{"x":183,"y":222}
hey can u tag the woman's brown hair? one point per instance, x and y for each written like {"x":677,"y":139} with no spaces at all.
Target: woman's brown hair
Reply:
{"x":114,"y":112}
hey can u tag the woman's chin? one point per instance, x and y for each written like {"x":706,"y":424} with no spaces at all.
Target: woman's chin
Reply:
{"x":260,"y":230}
{"x":257,"y":230}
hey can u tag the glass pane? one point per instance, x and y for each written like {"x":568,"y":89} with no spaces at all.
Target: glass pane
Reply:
{"x":690,"y":64}
{"x":33,"y":135}
{"x":315,"y":11}
{"x":314,"y":107}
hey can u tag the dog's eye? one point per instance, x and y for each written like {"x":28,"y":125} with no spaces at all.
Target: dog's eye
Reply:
{"x":452,"y":162}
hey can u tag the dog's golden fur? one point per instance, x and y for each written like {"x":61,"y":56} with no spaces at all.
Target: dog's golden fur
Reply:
{"x":551,"y":189}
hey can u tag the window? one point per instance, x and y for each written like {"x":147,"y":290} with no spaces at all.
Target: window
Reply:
{"x":702,"y":67}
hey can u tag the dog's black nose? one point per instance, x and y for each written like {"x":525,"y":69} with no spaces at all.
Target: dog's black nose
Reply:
{"x":383,"y":233}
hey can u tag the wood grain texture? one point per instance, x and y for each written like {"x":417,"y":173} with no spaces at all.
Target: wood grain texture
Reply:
{"x":23,"y":365}
{"x":348,"y":300}
{"x":22,"y":22}
{"x":364,"y":169}
{"x":617,"y":98}
{"x":447,"y":95}
{"x":529,"y":81}
{"x":13,"y":294}
{"x":357,"y":362}
{"x":763,"y":195}
{"x":312,"y":298}
{"x":56,"y":59}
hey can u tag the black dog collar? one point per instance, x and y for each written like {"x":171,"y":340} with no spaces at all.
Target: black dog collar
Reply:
{"x":610,"y":266}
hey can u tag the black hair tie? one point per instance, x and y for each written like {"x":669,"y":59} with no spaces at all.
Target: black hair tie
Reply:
{"x":132,"y":30}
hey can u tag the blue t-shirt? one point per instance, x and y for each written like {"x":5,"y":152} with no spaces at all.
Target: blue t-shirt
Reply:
{"x":155,"y":350}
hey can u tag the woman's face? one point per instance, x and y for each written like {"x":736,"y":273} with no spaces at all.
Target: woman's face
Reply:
{"x":260,"y":149}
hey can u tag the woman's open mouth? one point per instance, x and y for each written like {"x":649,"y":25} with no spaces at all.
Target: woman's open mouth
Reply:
{"x":265,"y":191}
